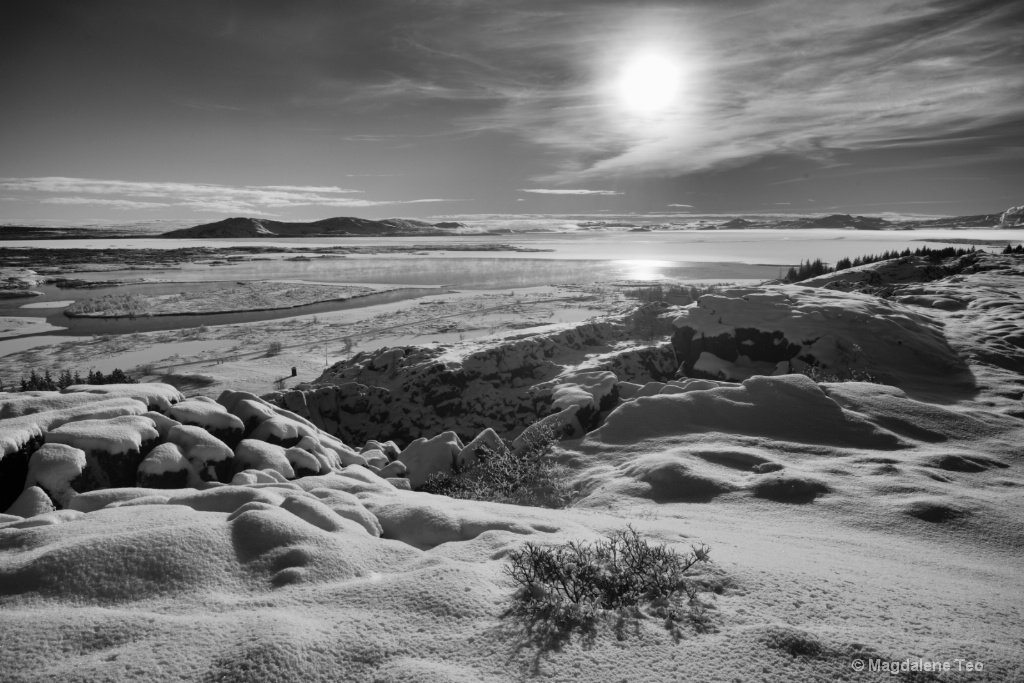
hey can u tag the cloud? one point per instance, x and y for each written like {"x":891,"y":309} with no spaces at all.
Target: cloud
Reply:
{"x":126,"y":195}
{"x":574,"y":192}
{"x":682,"y":206}
{"x":124,"y":204}
{"x":791,"y":77}
{"x":301,"y":188}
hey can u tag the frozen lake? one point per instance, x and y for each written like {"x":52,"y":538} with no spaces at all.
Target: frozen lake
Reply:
{"x":600,"y":256}
{"x":770,"y":247}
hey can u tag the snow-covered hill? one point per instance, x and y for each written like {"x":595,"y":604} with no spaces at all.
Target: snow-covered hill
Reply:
{"x":150,"y":535}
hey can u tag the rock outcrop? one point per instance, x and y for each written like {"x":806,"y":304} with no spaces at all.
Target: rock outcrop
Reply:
{"x":404,"y":393}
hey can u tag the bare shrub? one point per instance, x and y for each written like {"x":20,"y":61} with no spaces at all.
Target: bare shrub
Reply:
{"x":274,"y":348}
{"x":620,"y":572}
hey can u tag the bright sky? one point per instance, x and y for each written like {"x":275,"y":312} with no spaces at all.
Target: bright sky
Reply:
{"x":127,"y":110}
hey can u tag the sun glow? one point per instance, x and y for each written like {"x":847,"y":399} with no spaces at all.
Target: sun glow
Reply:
{"x":650,"y":82}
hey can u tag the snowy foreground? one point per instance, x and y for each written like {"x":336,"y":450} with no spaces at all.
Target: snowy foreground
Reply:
{"x":150,"y":536}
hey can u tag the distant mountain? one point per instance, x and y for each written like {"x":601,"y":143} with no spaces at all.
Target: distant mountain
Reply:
{"x":1013,"y":217}
{"x":328,"y":227}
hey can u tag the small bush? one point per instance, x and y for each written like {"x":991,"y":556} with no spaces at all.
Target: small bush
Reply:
{"x":528,"y":477}
{"x":839,"y":375}
{"x":621,"y":571}
{"x":274,"y":348}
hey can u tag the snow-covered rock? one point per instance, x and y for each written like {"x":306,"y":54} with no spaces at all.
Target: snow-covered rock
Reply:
{"x":424,"y":457}
{"x":211,"y":416}
{"x":162,"y":423}
{"x":25,"y":419}
{"x":166,"y":467}
{"x":303,"y":462}
{"x":388,"y":448}
{"x":159,"y":397}
{"x":260,"y":455}
{"x":113,"y":448}
{"x":33,"y":501}
{"x":283,"y":431}
{"x":485,"y":442}
{"x":394,"y":470}
{"x":209,"y":456}
{"x":54,"y":468}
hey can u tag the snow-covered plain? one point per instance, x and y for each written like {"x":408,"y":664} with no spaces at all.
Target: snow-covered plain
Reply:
{"x":849,"y":521}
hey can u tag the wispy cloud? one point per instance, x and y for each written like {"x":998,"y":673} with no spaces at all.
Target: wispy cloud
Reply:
{"x":573,"y":192}
{"x":794,"y":77}
{"x":124,"y":204}
{"x":682,"y":206}
{"x":128,"y":195}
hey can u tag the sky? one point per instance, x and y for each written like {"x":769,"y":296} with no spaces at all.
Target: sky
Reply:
{"x":203,"y":109}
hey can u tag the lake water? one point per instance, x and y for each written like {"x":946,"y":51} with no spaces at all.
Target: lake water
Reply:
{"x":568,"y":258}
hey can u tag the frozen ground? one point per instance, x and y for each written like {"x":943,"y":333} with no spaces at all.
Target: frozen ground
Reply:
{"x":849,"y":521}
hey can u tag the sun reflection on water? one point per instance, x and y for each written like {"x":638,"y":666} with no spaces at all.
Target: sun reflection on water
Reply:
{"x":645,"y":270}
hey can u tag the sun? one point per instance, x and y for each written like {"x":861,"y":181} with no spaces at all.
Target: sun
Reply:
{"x":650,"y":82}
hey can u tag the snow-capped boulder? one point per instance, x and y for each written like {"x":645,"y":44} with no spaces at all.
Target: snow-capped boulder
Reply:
{"x":327,"y":458}
{"x":424,"y":457}
{"x":253,"y":413}
{"x":388,"y":448}
{"x":345,"y":455}
{"x":54,"y":468}
{"x":375,"y":458}
{"x":591,"y":391}
{"x":394,"y":470}
{"x":156,"y":396}
{"x":303,"y":462}
{"x":113,"y":448}
{"x":259,"y":455}
{"x":485,"y":442}
{"x":162,"y":422}
{"x":166,"y":467}
{"x":26,"y":417}
{"x":33,"y":501}
{"x":211,"y":416}
{"x":282,"y":431}
{"x":210,"y":457}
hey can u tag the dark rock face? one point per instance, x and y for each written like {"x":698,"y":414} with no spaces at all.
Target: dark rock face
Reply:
{"x":164,"y":480}
{"x":758,"y":345}
{"x":13,"y":471}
